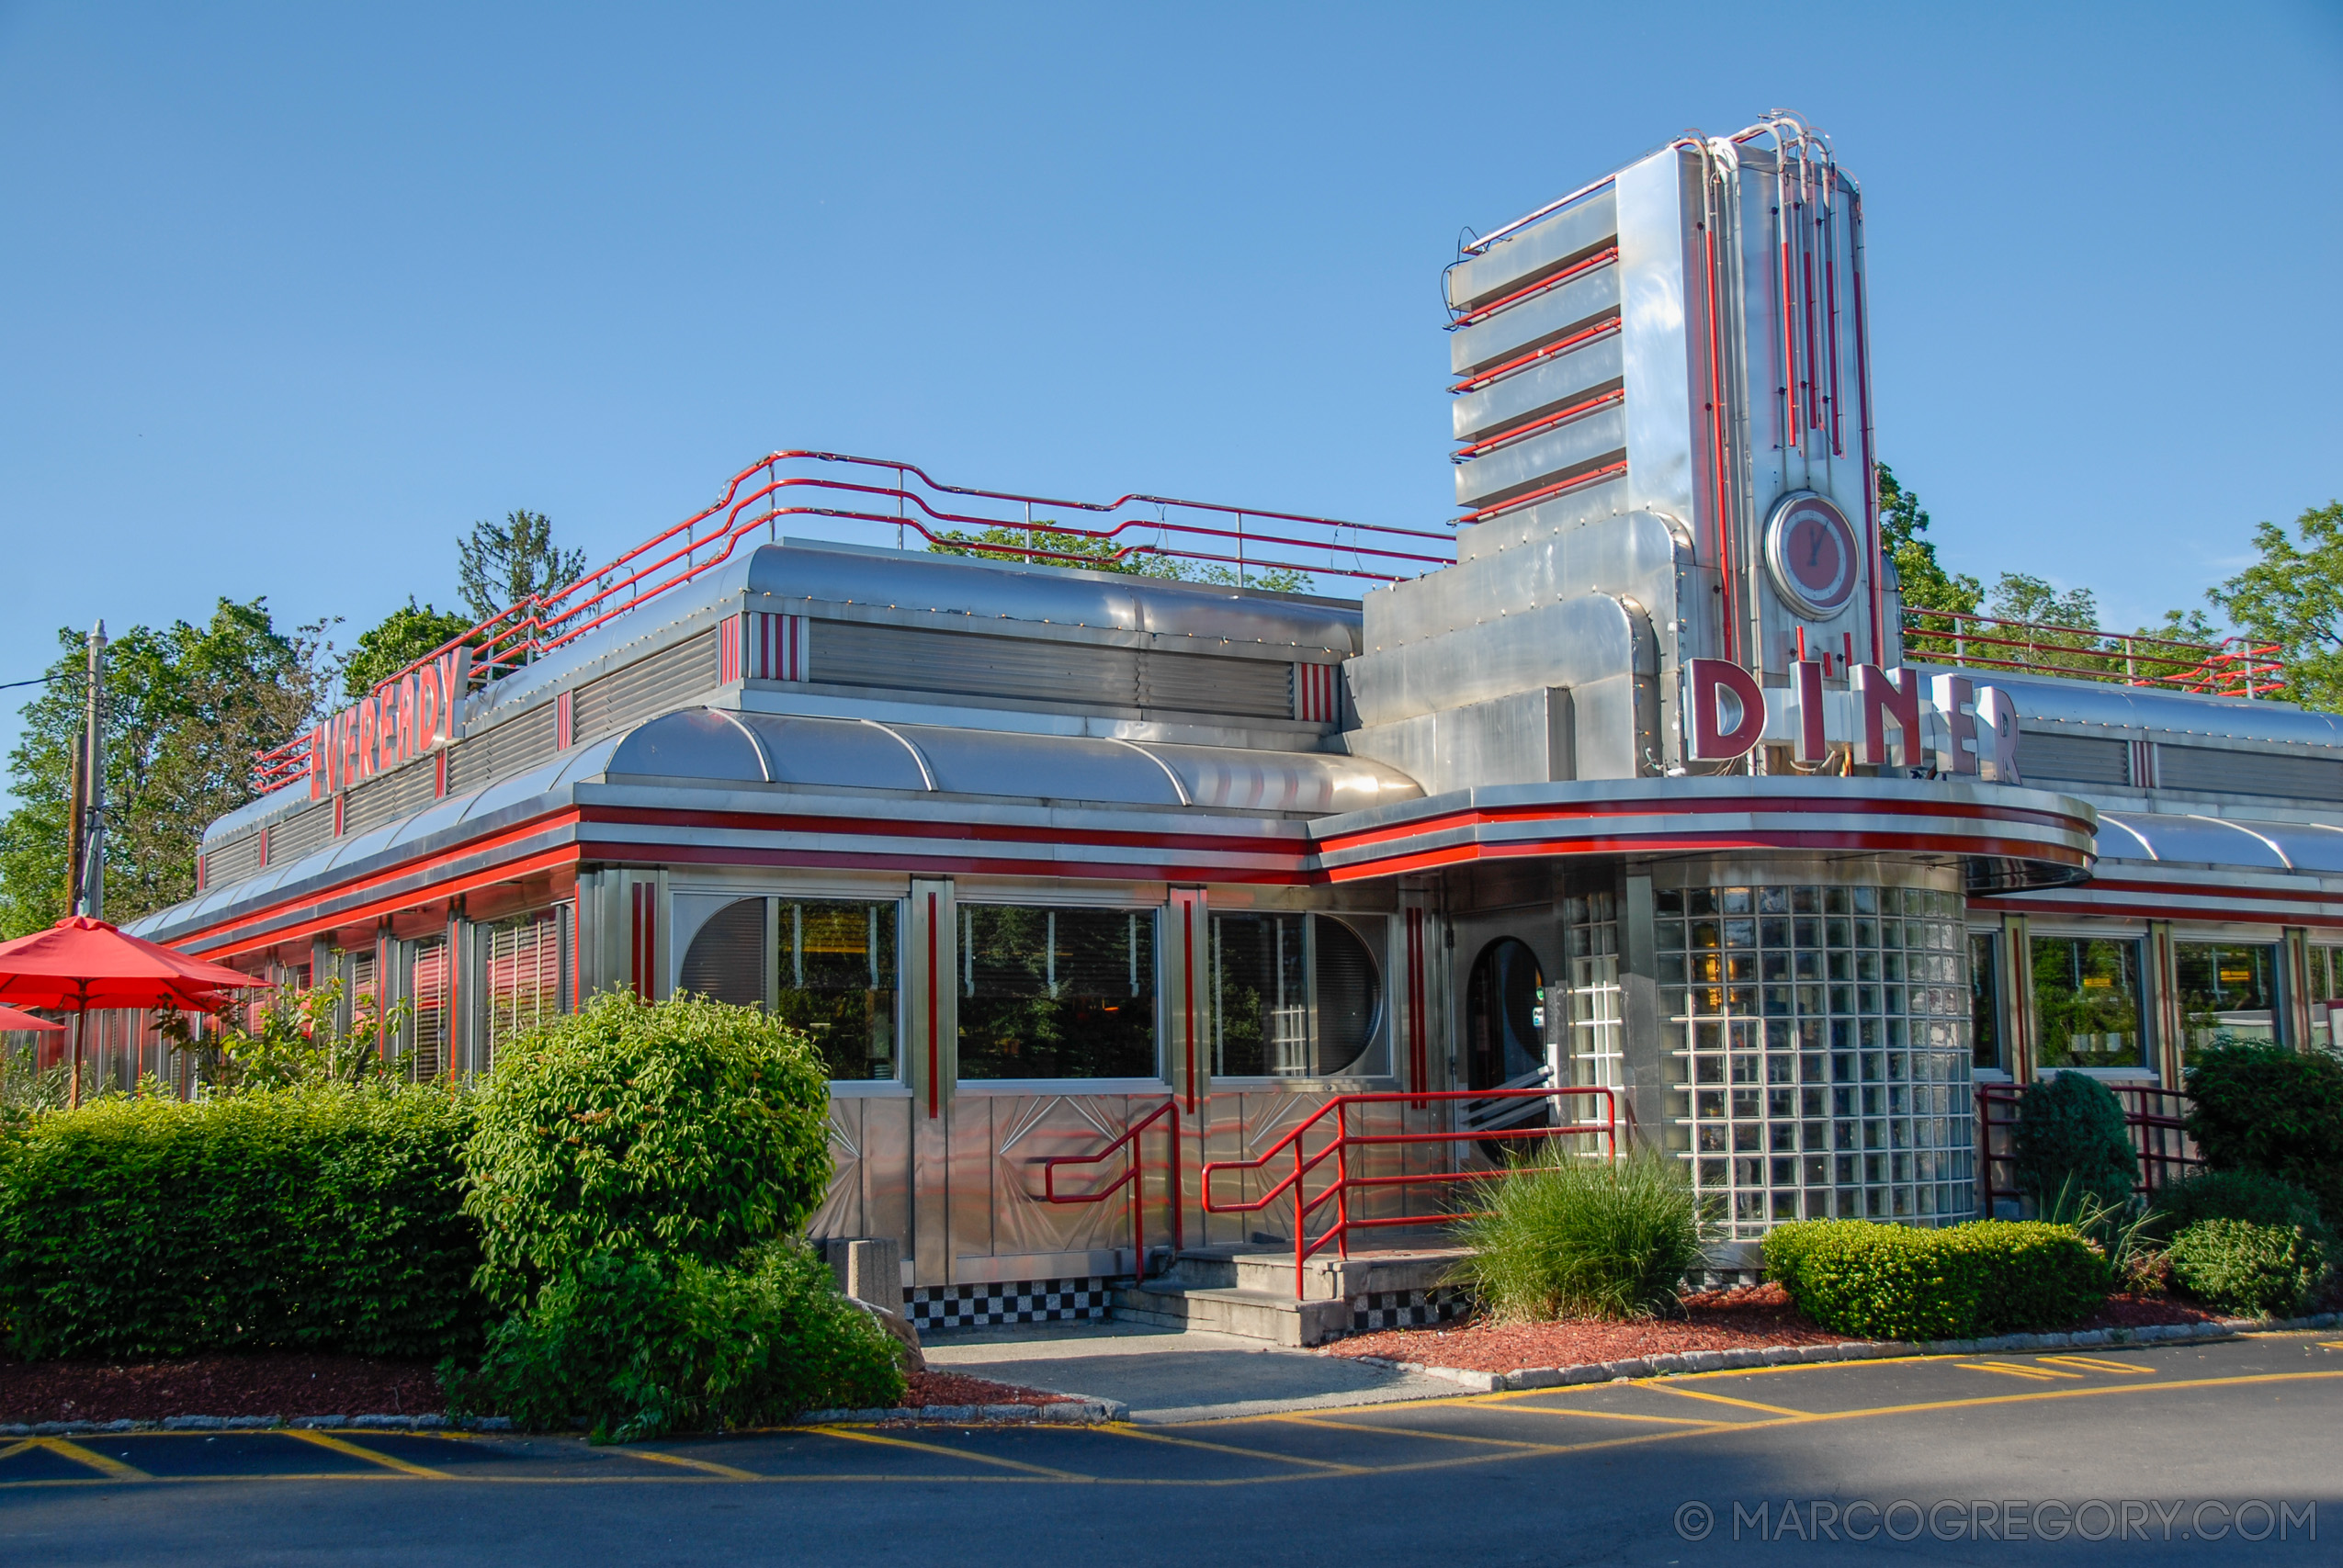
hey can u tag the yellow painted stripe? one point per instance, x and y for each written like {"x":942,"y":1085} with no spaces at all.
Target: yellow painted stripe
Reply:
{"x":851,"y":1435}
{"x":2092,"y":1364}
{"x":706,"y":1467}
{"x":1723,"y":1399}
{"x":1385,"y":1430}
{"x":1125,"y":1429}
{"x":1620,"y":1416}
{"x":2012,"y":1370}
{"x":387,"y":1462}
{"x":105,"y":1464}
{"x":13,"y":1449}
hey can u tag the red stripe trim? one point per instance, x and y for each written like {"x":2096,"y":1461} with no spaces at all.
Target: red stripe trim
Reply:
{"x":644,"y":815}
{"x":933,"y":979}
{"x":1709,"y":843}
{"x":1742,"y":806}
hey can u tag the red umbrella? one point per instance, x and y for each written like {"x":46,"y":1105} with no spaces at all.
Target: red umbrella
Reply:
{"x":11,"y":1018}
{"x":81,"y":963}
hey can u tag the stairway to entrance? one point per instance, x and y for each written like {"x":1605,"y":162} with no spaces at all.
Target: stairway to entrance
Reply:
{"x":1250,"y":1291}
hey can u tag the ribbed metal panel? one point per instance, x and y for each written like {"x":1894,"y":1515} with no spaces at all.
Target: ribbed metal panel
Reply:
{"x":2216,"y":772}
{"x":512,"y":747}
{"x":301,"y":832}
{"x":1578,"y":447}
{"x":727,"y":958}
{"x":1190,"y":683}
{"x":2073,"y":758}
{"x":853,"y":653}
{"x":647,"y":688}
{"x":392,"y":796}
{"x":1539,"y":319}
{"x":231,"y":861}
{"x":1545,"y":246}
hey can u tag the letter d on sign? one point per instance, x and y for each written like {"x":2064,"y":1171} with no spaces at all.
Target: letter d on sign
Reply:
{"x":1727,"y":706}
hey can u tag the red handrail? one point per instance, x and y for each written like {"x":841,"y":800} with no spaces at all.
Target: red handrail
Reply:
{"x":2234,"y":667}
{"x":1134,"y":1177}
{"x":1339,"y":1232}
{"x":2151,"y":1114}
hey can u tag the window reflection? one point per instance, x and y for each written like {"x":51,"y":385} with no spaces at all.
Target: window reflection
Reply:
{"x":2087,"y":995}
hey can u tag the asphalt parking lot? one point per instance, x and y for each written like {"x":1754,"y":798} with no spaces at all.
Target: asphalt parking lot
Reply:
{"x":2191,"y":1454}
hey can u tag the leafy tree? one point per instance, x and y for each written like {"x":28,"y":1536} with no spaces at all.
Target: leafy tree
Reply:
{"x":2294,"y":596}
{"x":403,"y":636}
{"x":1903,"y":523}
{"x":1051,"y":547}
{"x":504,"y":563}
{"x":186,"y":708}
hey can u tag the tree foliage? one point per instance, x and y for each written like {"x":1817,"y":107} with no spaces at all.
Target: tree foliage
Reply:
{"x":503,"y":563}
{"x":2293,"y":595}
{"x":1903,"y":528}
{"x":186,"y":708}
{"x":1050,"y":546}
{"x":403,"y":636}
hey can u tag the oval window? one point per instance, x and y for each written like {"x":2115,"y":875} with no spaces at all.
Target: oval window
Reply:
{"x":1350,"y":1002}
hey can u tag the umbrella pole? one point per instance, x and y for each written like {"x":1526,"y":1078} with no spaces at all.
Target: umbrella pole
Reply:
{"x":73,"y":1076}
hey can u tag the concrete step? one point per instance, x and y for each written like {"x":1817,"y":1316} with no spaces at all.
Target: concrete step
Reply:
{"x":1255,"y":1315}
{"x":1270,"y":1271}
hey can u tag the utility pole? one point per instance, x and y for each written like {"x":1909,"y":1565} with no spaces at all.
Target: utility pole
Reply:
{"x":94,"y":727}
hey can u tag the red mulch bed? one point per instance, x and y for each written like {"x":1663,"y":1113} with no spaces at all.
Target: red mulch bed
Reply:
{"x":951,"y":1388}
{"x":1746,"y":1318}
{"x":286,"y":1383}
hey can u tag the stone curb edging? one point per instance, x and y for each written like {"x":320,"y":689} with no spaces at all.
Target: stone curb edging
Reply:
{"x":258,"y":1424}
{"x":1075,"y":1410}
{"x":1862,"y":1350}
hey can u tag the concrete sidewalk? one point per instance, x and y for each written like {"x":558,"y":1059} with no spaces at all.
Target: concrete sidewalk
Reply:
{"x":1165,"y":1374}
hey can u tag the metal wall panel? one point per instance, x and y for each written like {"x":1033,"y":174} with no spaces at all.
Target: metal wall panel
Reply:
{"x":231,"y":861}
{"x":648,"y":687}
{"x":1548,"y":386}
{"x":386,"y":797}
{"x":1521,"y":258}
{"x":1576,"y":446}
{"x":1654,"y":226}
{"x":513,"y":746}
{"x":2073,"y":758}
{"x":300,"y":833}
{"x":1542,"y":319}
{"x":843,"y":1212}
{"x":857,"y":653}
{"x":2216,"y":771}
{"x":1191,"y":682}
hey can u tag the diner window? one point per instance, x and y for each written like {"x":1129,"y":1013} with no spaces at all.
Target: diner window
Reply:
{"x":1591,"y":929}
{"x":2228,"y":993}
{"x":1267,"y":972}
{"x":726,"y":959}
{"x":428,"y":995}
{"x":1047,"y":993}
{"x":2327,"y":976}
{"x":1985,"y":1003}
{"x":520,"y":977}
{"x":2087,"y":994}
{"x":837,"y":981}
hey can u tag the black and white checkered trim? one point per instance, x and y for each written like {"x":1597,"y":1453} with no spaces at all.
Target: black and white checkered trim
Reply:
{"x":1408,"y":1309}
{"x":933,"y":1307}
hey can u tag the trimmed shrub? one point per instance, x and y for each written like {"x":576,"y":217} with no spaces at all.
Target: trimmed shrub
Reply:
{"x":688,"y":1129}
{"x":2071,"y":1138}
{"x":2236,"y":1195}
{"x":322,"y":1218}
{"x":2256,"y":1106}
{"x":633,"y":1348}
{"x":1584,"y":1238}
{"x":2238,"y":1266}
{"x":1886,"y":1281}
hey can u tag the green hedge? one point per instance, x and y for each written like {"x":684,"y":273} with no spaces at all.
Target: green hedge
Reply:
{"x":2254,"y":1106}
{"x":2071,"y":1139}
{"x":1886,"y":1281}
{"x":322,"y":1218}
{"x":2237,"y":1266}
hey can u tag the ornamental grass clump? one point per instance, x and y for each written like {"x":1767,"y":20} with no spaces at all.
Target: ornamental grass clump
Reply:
{"x":1561,"y":1236}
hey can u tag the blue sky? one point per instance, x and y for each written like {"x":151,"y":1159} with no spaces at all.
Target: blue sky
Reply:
{"x":295,"y":294}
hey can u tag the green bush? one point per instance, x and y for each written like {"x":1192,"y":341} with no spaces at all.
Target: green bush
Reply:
{"x":2071,"y":1138}
{"x":2236,"y":1195}
{"x":2238,"y":1266}
{"x":1575,"y":1238}
{"x":632,"y":1348}
{"x":2256,"y":1106}
{"x":323,"y":1218}
{"x":688,"y":1129}
{"x":1885,"y":1281}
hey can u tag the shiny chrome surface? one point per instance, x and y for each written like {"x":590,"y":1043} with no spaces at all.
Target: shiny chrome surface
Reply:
{"x":1541,"y":318}
{"x":1569,"y":449}
{"x":1516,"y":260}
{"x":1658,"y":213}
{"x":1544,"y":389}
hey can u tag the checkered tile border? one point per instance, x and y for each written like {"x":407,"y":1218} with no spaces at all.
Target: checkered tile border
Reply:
{"x":933,"y":1307}
{"x":1408,"y":1309}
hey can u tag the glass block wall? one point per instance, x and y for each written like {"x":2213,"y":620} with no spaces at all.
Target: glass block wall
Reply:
{"x":1818,"y":1061}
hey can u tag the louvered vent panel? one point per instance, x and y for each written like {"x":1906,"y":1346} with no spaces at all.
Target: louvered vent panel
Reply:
{"x":727,"y":957}
{"x":1190,"y":683}
{"x":300,"y":833}
{"x":402,"y":792}
{"x":851,"y":653}
{"x":231,"y":861}
{"x":2073,"y":758}
{"x":666,"y":681}
{"x":513,"y":746}
{"x":2214,"y":770}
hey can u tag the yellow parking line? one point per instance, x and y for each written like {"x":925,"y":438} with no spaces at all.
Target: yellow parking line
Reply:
{"x":851,"y":1435}
{"x":2012,"y":1370}
{"x":105,"y":1464}
{"x":387,"y":1462}
{"x":1722,"y":1399}
{"x":1619,"y":1416}
{"x":1412,"y":1432}
{"x":13,"y":1449}
{"x":707,"y":1467}
{"x":2093,"y":1364}
{"x":1123,"y":1430}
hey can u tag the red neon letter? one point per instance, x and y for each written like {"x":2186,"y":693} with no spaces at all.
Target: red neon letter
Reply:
{"x":1880,"y":697}
{"x":1707,"y":682}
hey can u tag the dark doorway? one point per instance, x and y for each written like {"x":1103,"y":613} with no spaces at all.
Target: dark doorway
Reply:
{"x":1505,"y":1044}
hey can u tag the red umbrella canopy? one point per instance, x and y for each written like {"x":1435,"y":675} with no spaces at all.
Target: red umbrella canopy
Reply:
{"x":82,"y":962}
{"x":11,"y":1018}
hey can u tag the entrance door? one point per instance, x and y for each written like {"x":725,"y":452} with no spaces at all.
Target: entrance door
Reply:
{"x":1505,"y":1044}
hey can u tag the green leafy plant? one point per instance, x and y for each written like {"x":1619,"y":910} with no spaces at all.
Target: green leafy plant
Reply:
{"x":2261,"y":1106}
{"x":2071,"y":1135}
{"x":2238,"y":1266}
{"x":685,"y":1129}
{"x":320,"y":1217}
{"x":633,"y":1347}
{"x":297,"y":1037}
{"x":2236,"y":1195}
{"x":1899,"y":1282}
{"x":1570,"y":1237}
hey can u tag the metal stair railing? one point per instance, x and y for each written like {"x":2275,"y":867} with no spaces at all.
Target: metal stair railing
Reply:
{"x":2155,"y":1117}
{"x":1134,"y":1178}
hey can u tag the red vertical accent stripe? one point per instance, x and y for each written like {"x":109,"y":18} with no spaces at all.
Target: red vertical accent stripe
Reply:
{"x":340,"y":803}
{"x":934,"y":980}
{"x":439,"y":774}
{"x":1416,"y":1061}
{"x":643,"y":948}
{"x":728,"y":651}
{"x":1188,"y":964}
{"x":565,"y":721}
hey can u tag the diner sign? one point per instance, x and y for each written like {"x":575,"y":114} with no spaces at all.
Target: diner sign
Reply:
{"x":398,"y":722}
{"x":1888,"y":719}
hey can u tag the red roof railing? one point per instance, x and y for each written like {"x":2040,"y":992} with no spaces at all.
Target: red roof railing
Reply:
{"x":2232,"y":667}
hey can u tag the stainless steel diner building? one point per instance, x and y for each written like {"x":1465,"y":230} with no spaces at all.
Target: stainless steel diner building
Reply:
{"x":1641,"y":786}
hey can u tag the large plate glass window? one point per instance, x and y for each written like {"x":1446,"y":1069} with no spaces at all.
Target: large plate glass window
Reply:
{"x":2326,"y":999}
{"x":1985,"y":1003}
{"x":520,"y":961}
{"x":1294,"y":995}
{"x":2228,"y":992}
{"x":428,"y":994}
{"x":2088,"y":1002}
{"x":1048,"y":993}
{"x":836,"y":968}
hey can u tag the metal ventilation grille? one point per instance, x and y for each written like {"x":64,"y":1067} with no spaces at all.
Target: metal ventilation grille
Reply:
{"x":2073,"y":758}
{"x":647,"y":688}
{"x":2215,"y":772}
{"x":851,"y":653}
{"x":727,"y":957}
{"x":399,"y":793}
{"x":231,"y":861}
{"x":514,"y":745}
{"x":300,"y":833}
{"x":1190,"y":683}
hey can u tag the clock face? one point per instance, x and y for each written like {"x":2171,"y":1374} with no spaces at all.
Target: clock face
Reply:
{"x":1812,"y":553}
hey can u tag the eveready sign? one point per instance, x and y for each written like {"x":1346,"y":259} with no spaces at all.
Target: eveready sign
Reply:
{"x":398,"y":722}
{"x":1889,"y":719}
